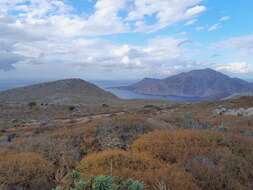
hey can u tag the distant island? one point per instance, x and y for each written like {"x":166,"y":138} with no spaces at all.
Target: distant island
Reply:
{"x":204,"y":84}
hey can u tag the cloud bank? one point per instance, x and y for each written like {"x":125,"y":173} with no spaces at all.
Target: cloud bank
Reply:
{"x":49,"y":34}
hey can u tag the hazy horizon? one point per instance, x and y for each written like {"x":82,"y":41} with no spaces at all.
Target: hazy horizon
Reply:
{"x":42,"y":79}
{"x":6,"y":84}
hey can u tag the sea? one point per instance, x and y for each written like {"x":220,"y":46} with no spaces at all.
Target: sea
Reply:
{"x":106,"y":85}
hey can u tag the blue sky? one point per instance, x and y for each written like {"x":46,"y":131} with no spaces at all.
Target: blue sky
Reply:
{"x":124,"y":39}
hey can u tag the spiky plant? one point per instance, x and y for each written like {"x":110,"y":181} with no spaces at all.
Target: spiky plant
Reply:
{"x":102,"y":183}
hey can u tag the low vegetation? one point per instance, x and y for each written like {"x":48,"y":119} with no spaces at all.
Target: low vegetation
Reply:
{"x":158,"y":147}
{"x":76,"y":182}
{"x":215,"y":160}
{"x":141,"y":166}
{"x":24,"y":170}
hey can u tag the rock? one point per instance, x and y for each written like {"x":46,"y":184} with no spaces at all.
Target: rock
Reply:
{"x":249,"y":112}
{"x":234,"y":112}
{"x":105,"y":106}
{"x":152,"y":107}
{"x":220,"y":111}
{"x":14,"y":121}
{"x":240,"y":112}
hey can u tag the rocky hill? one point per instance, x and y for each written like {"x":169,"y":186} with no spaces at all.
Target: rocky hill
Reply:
{"x":205,"y":83}
{"x":68,"y":91}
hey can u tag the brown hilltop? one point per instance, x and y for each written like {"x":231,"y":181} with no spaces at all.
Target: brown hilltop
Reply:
{"x":67,"y":91}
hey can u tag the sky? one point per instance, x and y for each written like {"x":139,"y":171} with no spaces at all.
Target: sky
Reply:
{"x":124,"y":39}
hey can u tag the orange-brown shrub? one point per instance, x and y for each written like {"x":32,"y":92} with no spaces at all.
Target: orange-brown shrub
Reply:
{"x":90,"y":142}
{"x":26,"y":170}
{"x":216,"y":160}
{"x":170,"y":177}
{"x":175,"y":146}
{"x":139,"y":166}
{"x":117,"y":162}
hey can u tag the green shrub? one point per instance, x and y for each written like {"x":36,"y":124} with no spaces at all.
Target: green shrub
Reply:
{"x":101,"y":183}
{"x":222,"y":128}
{"x":133,"y":185}
{"x":72,"y":108}
{"x":32,"y":104}
{"x":189,"y":121}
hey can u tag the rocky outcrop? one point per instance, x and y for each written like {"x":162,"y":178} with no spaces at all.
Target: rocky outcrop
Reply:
{"x":234,"y":112}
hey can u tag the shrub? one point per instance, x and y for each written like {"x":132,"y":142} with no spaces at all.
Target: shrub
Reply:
{"x":140,"y":166}
{"x":169,"y":177}
{"x":24,"y":170}
{"x":189,"y":121}
{"x":132,"y":185}
{"x":117,"y":163}
{"x":216,"y":160}
{"x":175,"y":146}
{"x":105,"y":106}
{"x":120,"y":131}
{"x":101,"y":183}
{"x":32,"y":104}
{"x":72,"y":108}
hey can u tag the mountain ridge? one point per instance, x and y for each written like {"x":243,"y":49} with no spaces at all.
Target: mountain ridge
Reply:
{"x":65,"y":91}
{"x":203,"y":83}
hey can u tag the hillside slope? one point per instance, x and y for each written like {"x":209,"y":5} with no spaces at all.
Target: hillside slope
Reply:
{"x":68,"y":91}
{"x":205,"y":83}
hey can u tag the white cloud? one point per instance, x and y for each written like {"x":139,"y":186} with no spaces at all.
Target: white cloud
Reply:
{"x":214,"y":27}
{"x":235,"y":54}
{"x":219,"y":24}
{"x":46,"y":31}
{"x":236,"y":68}
{"x":157,"y":55}
{"x":49,"y":34}
{"x":183,"y":33}
{"x":195,"y":10}
{"x":244,"y":44}
{"x":191,"y":22}
{"x":225,"y":18}
{"x":105,"y":19}
{"x":55,"y":18}
{"x":165,"y":12}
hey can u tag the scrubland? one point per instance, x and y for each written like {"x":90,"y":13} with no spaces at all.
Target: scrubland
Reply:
{"x":163,"y":145}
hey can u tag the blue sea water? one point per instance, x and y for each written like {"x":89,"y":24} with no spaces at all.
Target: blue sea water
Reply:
{"x":106,"y":85}
{"x":9,"y":84}
{"x":128,"y":95}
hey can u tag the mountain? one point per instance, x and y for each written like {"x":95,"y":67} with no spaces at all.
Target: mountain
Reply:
{"x":68,"y":91}
{"x":205,"y":83}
